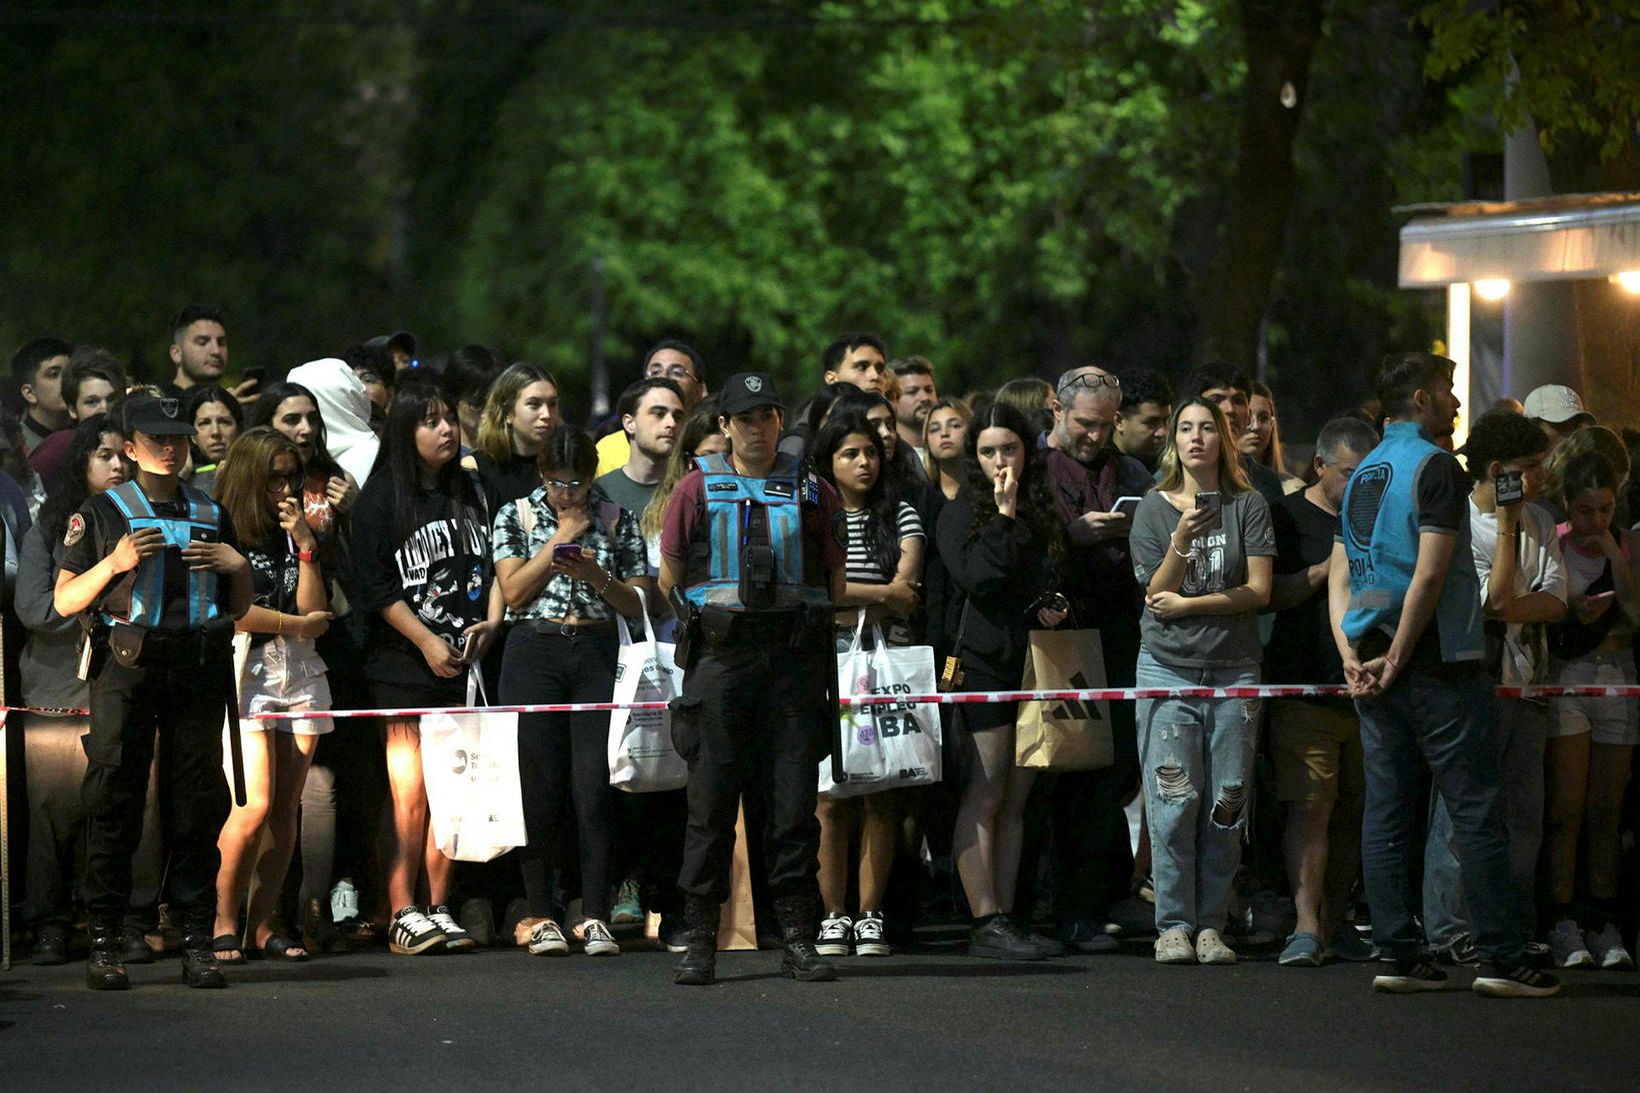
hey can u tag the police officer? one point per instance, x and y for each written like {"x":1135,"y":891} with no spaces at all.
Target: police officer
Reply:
{"x":751,"y":557}
{"x":152,"y":567}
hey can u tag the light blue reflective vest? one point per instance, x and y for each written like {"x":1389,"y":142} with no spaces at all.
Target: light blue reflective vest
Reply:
{"x":1380,"y":528}
{"x":714,"y":576}
{"x":148,"y":587}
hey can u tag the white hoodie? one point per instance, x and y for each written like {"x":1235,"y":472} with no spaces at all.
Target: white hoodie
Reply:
{"x":345,"y":408}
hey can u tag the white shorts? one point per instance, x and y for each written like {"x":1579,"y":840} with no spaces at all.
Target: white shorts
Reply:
{"x":1606,"y":720}
{"x":284,"y":677}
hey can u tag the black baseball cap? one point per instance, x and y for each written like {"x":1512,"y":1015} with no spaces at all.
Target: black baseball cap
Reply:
{"x":157,"y":415}
{"x":399,"y":339}
{"x":747,"y":391}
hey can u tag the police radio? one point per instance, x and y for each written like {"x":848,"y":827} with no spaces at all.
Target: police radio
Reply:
{"x":757,"y":563}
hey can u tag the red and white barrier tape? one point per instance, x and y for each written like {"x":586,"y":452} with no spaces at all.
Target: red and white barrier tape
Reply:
{"x":952,"y":698}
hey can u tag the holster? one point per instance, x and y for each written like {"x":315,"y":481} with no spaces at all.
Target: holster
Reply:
{"x":689,"y":640}
{"x":125,"y":641}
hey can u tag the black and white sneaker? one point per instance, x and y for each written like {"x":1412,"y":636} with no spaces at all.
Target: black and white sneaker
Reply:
{"x":1512,"y":979}
{"x":868,"y":935}
{"x":596,"y":940}
{"x":413,"y":933}
{"x":456,"y":940}
{"x":836,"y":931}
{"x":1410,"y":977}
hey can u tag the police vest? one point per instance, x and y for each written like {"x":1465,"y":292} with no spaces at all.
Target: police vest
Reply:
{"x":147,"y":605}
{"x":1380,"y":525}
{"x":715,"y":554}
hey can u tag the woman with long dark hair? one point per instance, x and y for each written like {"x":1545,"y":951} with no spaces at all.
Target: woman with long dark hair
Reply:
{"x":884,"y":566}
{"x":328,"y":492}
{"x":1003,"y":545}
{"x":421,"y":567}
{"x":1204,"y":549}
{"x":567,"y":559}
{"x":259,"y":486}
{"x":899,"y":469}
{"x":53,"y":756}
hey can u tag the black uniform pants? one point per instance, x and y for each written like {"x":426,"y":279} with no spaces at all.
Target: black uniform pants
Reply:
{"x":173,"y":695}
{"x":754,"y":713}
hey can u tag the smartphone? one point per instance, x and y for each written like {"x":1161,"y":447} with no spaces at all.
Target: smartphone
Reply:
{"x":1211,"y":501}
{"x":1511,"y":487}
{"x":254,"y":375}
{"x":1127,"y":506}
{"x":566,"y":552}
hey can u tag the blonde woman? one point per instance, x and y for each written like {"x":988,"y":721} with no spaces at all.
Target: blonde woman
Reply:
{"x":1261,"y":443}
{"x":944,"y":431}
{"x":520,"y":409}
{"x":1203,"y":548}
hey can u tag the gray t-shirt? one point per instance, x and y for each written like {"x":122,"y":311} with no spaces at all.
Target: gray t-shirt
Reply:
{"x":631,"y":496}
{"x":1219,"y":564}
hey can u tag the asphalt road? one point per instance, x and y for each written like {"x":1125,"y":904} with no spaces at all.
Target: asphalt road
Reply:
{"x":933,"y":1019}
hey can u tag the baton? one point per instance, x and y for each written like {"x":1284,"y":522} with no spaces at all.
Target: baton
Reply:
{"x":236,"y":748}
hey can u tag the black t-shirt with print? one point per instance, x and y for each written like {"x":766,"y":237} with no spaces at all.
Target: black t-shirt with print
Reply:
{"x":441,"y":571}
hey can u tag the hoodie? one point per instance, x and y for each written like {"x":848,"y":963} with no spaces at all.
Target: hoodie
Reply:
{"x":345,"y":408}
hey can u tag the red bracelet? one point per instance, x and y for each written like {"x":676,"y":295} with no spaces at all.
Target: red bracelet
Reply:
{"x":304,"y":555}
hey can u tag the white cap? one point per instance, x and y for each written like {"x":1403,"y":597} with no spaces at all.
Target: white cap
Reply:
{"x":1553,"y":403}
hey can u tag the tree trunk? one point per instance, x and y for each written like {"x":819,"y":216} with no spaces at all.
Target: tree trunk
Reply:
{"x":1280,"y":36}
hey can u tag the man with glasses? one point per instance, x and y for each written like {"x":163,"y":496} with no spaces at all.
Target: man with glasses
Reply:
{"x":667,"y":359}
{"x":1316,"y":742}
{"x":1093,"y":858}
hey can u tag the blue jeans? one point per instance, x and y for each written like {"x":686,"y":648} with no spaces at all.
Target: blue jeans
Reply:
{"x":1448,"y":721}
{"x":1191,"y":749}
{"x":1523,"y":728}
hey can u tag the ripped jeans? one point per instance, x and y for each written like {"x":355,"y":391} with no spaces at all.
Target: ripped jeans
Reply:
{"x":1193,"y":750}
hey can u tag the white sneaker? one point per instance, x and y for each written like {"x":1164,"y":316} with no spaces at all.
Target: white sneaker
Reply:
{"x":1174,"y":947}
{"x":1211,"y":949}
{"x":1607,"y":948}
{"x":1566,"y":944}
{"x":546,"y":939}
{"x":868,"y":935}
{"x":344,"y":902}
{"x":835,"y":934}
{"x":596,"y":940}
{"x":413,"y":933}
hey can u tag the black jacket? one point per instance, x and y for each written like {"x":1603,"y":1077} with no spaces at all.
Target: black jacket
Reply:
{"x":1002,"y":571}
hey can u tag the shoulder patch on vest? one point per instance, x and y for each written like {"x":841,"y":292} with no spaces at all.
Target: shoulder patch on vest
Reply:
{"x":75,"y":530}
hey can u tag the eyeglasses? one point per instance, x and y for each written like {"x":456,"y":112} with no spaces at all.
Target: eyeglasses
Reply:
{"x":671,"y":372}
{"x":1093,"y":380}
{"x":293,"y":482}
{"x":559,"y":484}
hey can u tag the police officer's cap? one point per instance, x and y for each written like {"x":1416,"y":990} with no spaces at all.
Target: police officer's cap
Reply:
{"x":157,"y":416}
{"x":747,"y":391}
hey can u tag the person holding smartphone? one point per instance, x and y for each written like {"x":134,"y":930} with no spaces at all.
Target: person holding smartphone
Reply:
{"x":1523,"y":589}
{"x":1591,"y":740}
{"x":567,"y":559}
{"x":1204,"y":552}
{"x":421,"y":569}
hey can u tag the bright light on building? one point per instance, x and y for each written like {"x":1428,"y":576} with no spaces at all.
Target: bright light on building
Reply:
{"x":1492,"y":288}
{"x":1628,"y":280}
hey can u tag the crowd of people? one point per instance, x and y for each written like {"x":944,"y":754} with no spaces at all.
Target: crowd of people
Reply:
{"x":376,"y":531}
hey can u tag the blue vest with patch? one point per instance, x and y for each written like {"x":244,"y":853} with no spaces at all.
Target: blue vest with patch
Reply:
{"x":714,"y":574}
{"x":148,"y":587}
{"x":1380,"y":527}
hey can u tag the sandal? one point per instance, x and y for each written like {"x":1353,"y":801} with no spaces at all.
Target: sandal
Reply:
{"x":281,"y":948}
{"x":228,"y":943}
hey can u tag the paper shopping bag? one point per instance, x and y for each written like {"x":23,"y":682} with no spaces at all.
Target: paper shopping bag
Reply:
{"x":1064,"y":735}
{"x":737,"y":928}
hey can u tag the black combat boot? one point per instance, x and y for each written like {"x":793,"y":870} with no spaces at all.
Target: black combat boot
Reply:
{"x":802,"y":961}
{"x":698,"y":968}
{"x":199,"y":967}
{"x":104,"y":970}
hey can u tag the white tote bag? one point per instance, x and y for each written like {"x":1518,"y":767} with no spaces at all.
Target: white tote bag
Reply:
{"x":889,"y":746}
{"x":469,"y":762}
{"x":641,"y":756}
